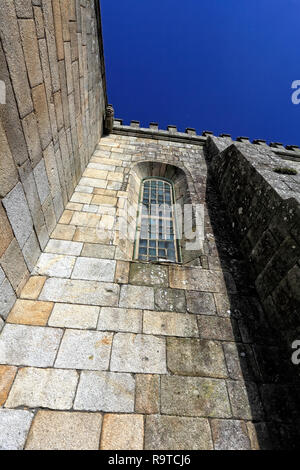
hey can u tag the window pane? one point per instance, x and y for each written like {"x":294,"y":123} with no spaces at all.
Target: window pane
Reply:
{"x":157,"y":224}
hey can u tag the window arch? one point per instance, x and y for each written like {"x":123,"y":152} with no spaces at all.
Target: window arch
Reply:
{"x":156,"y":238}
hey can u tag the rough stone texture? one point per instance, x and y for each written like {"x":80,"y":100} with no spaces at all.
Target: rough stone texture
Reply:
{"x":33,"y":287}
{"x":144,"y":275}
{"x":200,"y":303}
{"x":197,"y":279}
{"x":74,"y":316}
{"x":53,"y":430}
{"x":6,"y":234}
{"x":216,"y":328}
{"x":7,"y":298}
{"x":92,"y":269}
{"x":43,"y":388}
{"x":13,"y":264}
{"x":14,"y":426}
{"x":29,"y":312}
{"x":230,"y":435}
{"x":194,"y":357}
{"x":80,"y":292}
{"x":37,"y":115}
{"x":98,"y":251}
{"x":105,"y":391}
{"x":54,"y":265}
{"x":18,"y":214}
{"x":137,"y":297}
{"x":63,"y":247}
{"x":120,"y":319}
{"x":29,"y":345}
{"x":147,"y":395}
{"x":170,"y":300}
{"x":84,"y":350}
{"x":138,"y":353}
{"x":169,"y":324}
{"x":122,"y":432}
{"x":193,"y":396}
{"x":7,"y":375}
{"x":177,"y":433}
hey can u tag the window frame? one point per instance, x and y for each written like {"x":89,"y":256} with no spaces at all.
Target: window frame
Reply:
{"x":177,"y":247}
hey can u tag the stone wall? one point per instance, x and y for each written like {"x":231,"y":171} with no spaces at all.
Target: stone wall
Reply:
{"x":51,"y":62}
{"x":264,"y":207}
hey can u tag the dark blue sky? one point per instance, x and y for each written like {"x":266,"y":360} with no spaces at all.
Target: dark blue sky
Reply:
{"x":220,"y":65}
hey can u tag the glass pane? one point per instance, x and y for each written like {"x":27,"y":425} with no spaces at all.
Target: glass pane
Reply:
{"x":157,"y":239}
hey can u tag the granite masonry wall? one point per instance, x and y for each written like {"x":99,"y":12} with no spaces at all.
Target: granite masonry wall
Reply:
{"x":264,"y":207}
{"x":51,"y":61}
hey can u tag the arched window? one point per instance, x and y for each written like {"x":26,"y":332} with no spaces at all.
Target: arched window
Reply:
{"x":156,"y":228}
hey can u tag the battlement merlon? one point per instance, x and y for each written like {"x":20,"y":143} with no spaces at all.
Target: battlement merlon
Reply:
{"x":190,"y":136}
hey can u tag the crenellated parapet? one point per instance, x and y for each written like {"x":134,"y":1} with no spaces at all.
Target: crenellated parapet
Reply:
{"x":288,"y":152}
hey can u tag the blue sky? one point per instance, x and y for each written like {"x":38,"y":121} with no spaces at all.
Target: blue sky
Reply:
{"x":221,"y":65}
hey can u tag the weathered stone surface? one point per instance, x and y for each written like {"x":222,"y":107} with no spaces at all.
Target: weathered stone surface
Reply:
{"x":120,"y":319}
{"x":177,"y":433}
{"x":122,"y":272}
{"x":245,"y":401}
{"x":14,"y":55}
{"x":81,"y":198}
{"x":54,"y":265}
{"x":43,"y":388}
{"x":196,"y":279}
{"x":147,"y":394}
{"x":63,"y":232}
{"x":105,"y":391}
{"x":170,"y":300}
{"x":39,"y":22}
{"x":29,"y":345}
{"x":31,"y":51}
{"x":148,"y":275}
{"x":216,"y":328}
{"x":14,"y":426}
{"x":65,"y":431}
{"x":93,"y":269}
{"x":7,"y":298}
{"x":63,"y":247}
{"x":230,"y":435}
{"x":7,"y":375}
{"x":29,"y":312}
{"x":13,"y":265}
{"x":50,"y":35}
{"x":241,"y":363}
{"x":200,"y":303}
{"x":32,"y":137}
{"x":6,"y":234}
{"x":23,"y":8}
{"x":80,"y":292}
{"x":194,"y":396}
{"x":93,"y":250}
{"x":83,"y":317}
{"x":194,"y":357}
{"x":31,"y":251}
{"x":170,"y":324}
{"x":54,"y":430}
{"x":92,"y":235}
{"x":138,"y":353}
{"x":8,"y":172}
{"x":84,"y":350}
{"x":122,"y":432}
{"x":137,"y":297}
{"x":18,"y":214}
{"x":58,"y":29}
{"x":42,"y":114}
{"x":41,"y":181}
{"x":33,"y":287}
